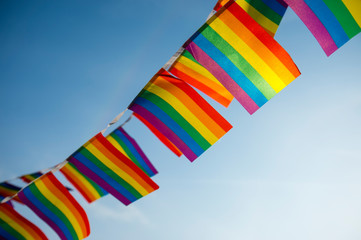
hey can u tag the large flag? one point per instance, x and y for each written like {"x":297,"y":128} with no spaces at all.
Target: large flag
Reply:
{"x":52,"y":202}
{"x":130,"y":148}
{"x":332,"y":22}
{"x":180,"y":114}
{"x":86,"y":187}
{"x":13,"y":226}
{"x":8,"y":190}
{"x":103,"y":163}
{"x":242,"y":56}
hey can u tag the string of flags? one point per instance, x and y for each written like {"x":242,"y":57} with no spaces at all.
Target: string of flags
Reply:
{"x":233,"y":55}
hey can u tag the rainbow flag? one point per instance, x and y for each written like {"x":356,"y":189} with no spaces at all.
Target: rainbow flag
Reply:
{"x":267,"y":13}
{"x":159,"y":135}
{"x":180,"y":114}
{"x":193,"y":73}
{"x":332,"y":22}
{"x":13,"y":226}
{"x":86,"y":187}
{"x":8,"y":190}
{"x":242,"y":56}
{"x":130,"y":148}
{"x":28,"y":178}
{"x":103,"y":163}
{"x":8,"y":202}
{"x":52,"y":202}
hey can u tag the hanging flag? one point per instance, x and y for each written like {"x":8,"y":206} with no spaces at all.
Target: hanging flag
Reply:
{"x":8,"y":202}
{"x":130,"y":148}
{"x":86,"y":187}
{"x":99,"y":160}
{"x":159,"y":135}
{"x":28,"y":178}
{"x":267,"y":13}
{"x":180,"y":114}
{"x":13,"y":226}
{"x":8,"y":190}
{"x":242,"y":56}
{"x":332,"y":22}
{"x":190,"y":71}
{"x":52,"y":202}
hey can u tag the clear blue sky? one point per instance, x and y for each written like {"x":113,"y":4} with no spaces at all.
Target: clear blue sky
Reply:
{"x":290,"y":171}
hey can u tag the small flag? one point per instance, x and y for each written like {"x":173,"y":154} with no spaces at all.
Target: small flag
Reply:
{"x":8,"y":190}
{"x":28,"y":178}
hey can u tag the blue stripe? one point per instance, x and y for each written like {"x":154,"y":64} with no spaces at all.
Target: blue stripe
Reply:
{"x":232,"y":70}
{"x":329,"y":20}
{"x":135,"y":153}
{"x":102,"y":174}
{"x":50,"y":216}
{"x":171,"y":124}
{"x":6,"y":235}
{"x":275,"y":6}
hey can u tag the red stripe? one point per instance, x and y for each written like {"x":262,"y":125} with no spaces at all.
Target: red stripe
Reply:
{"x":77,"y":186}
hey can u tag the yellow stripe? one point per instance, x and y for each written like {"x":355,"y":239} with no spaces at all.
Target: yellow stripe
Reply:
{"x":184,"y":111}
{"x":249,"y":55}
{"x":17,"y":227}
{"x":258,"y":17}
{"x":117,"y":145}
{"x":60,"y":205}
{"x":83,"y":181}
{"x":120,"y":172}
{"x":354,"y":7}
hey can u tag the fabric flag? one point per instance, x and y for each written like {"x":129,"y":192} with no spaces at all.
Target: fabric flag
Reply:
{"x":242,"y":56}
{"x":130,"y":148}
{"x":31,"y":177}
{"x":180,"y":114}
{"x":13,"y":226}
{"x":267,"y":13}
{"x":8,"y":202}
{"x":103,"y":163}
{"x":159,"y":135}
{"x":332,"y":22}
{"x":52,"y":202}
{"x":190,"y":71}
{"x":86,"y":187}
{"x":8,"y":190}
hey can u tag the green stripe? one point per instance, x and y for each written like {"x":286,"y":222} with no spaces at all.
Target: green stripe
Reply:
{"x":265,"y":10}
{"x":344,"y":17}
{"x":86,"y":153}
{"x":178,"y":118}
{"x":238,"y":61}
{"x":91,"y":182}
{"x":188,"y":55}
{"x":4,"y":225}
{"x":127,"y":151}
{"x":51,"y":207}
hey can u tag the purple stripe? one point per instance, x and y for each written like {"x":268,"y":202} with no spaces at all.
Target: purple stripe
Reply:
{"x":282,"y":3}
{"x":164,"y":130}
{"x":139,"y":150}
{"x":54,"y":226}
{"x":223,"y":77}
{"x":314,"y":24}
{"x":98,"y":180}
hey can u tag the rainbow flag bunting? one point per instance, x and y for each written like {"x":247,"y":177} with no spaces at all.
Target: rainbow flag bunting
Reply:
{"x":180,"y":114}
{"x":8,"y":190}
{"x":242,"y":56}
{"x":31,"y":177}
{"x":267,"y":13}
{"x":332,"y":22}
{"x":52,"y":202}
{"x":103,"y":163}
{"x":13,"y":226}
{"x":159,"y":135}
{"x":130,"y":148}
{"x":86,"y":187}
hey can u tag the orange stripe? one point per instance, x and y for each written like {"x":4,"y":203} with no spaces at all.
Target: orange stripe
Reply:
{"x":121,"y":165}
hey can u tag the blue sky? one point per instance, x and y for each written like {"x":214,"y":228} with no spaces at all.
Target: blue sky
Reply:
{"x":290,"y":171}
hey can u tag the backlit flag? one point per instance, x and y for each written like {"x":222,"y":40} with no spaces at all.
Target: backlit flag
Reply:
{"x":103,"y":163}
{"x":332,"y":22}
{"x":242,"y":56}
{"x":52,"y":202}
{"x":13,"y":226}
{"x":180,"y":114}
